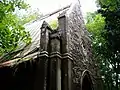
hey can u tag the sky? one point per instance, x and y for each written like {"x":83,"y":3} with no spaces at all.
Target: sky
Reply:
{"x":47,"y":6}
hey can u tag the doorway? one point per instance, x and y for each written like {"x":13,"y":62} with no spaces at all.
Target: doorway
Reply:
{"x":87,"y":82}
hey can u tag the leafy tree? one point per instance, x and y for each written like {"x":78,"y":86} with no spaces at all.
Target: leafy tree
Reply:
{"x":95,"y":25}
{"x":110,"y":9}
{"x":111,"y":5}
{"x":11,"y":30}
{"x":106,"y":41}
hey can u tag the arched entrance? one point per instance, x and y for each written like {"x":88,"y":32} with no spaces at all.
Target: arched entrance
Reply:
{"x":86,"y":82}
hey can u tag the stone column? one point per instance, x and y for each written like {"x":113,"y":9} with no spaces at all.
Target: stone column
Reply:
{"x":66,"y":64}
{"x":42,"y":65}
{"x":63,"y":29}
{"x":55,"y":63}
{"x":66,"y":72}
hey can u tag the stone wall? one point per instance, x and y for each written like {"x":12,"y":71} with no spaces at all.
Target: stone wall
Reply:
{"x":77,"y":43}
{"x":65,"y":59}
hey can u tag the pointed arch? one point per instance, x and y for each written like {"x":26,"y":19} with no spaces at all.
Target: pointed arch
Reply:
{"x":86,"y":81}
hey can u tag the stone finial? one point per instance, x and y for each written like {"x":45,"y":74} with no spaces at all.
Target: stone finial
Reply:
{"x":45,"y":25}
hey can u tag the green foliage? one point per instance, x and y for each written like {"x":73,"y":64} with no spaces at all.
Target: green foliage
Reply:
{"x":11,"y":30}
{"x":96,"y":26}
{"x":113,"y":41}
{"x":95,"y":23}
{"x":54,"y":24}
{"x":105,"y":33}
{"x":112,"y":5}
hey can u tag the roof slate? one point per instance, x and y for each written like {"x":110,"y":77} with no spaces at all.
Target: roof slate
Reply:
{"x":31,"y":50}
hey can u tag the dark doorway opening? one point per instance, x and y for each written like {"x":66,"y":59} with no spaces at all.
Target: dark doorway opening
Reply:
{"x":87,"y":83}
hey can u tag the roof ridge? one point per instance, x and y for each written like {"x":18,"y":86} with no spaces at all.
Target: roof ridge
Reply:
{"x":49,"y":14}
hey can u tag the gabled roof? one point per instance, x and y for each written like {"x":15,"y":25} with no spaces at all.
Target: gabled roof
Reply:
{"x":32,"y":50}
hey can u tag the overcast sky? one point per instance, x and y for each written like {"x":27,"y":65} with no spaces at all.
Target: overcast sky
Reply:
{"x":47,"y":6}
